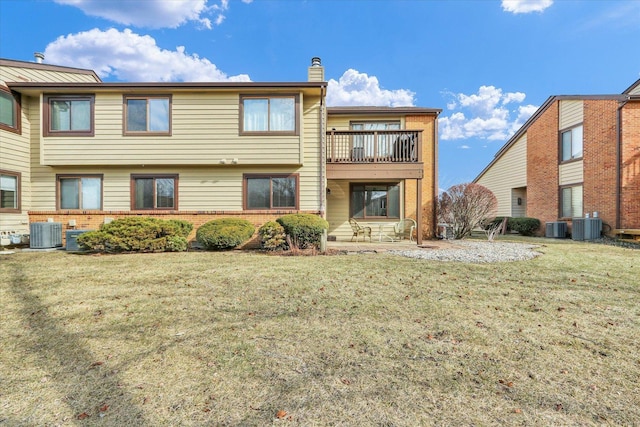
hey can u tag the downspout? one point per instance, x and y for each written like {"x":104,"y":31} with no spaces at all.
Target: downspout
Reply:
{"x":323,"y":155}
{"x":434,"y":162}
{"x":619,"y":163}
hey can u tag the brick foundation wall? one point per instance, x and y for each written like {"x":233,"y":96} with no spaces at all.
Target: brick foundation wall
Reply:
{"x":599,"y":159}
{"x":630,"y":168}
{"x":542,"y":167}
{"x":92,"y":220}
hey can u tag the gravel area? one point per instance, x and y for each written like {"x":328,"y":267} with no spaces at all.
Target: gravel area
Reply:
{"x":475,"y":252}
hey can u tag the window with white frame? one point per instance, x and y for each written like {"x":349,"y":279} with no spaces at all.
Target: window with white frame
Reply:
{"x":571,"y":202}
{"x":80,"y":192}
{"x":571,"y":141}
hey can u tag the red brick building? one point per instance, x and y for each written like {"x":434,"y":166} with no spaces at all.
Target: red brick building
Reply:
{"x":577,"y":156}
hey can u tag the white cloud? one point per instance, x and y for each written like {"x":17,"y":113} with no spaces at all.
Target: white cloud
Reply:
{"x":464,"y":147}
{"x":525,"y":6}
{"x":128,"y":56}
{"x":484,"y":115}
{"x":153,"y":13}
{"x":356,"y":88}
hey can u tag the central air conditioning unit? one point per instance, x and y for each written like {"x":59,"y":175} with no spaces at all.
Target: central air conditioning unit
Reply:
{"x":577,"y":229}
{"x":45,"y":235}
{"x":592,"y":228}
{"x":557,"y":230}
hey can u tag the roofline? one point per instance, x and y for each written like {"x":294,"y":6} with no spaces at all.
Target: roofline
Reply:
{"x":128,"y":86}
{"x":381,"y":110}
{"x":632,"y":87}
{"x":47,"y":67}
{"x":523,"y":129}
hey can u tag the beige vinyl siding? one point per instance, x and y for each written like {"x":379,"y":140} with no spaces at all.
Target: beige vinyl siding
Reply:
{"x":509,"y":172}
{"x":338,"y":210}
{"x":342,"y":122}
{"x":205,"y":130}
{"x":14,"y":157}
{"x":571,"y":113}
{"x":571,"y":173}
{"x":635,"y":91}
{"x":311,"y":185}
{"x":25,"y":74}
{"x":214,"y":187}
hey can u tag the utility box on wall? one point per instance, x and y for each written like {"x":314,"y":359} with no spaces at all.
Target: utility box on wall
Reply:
{"x":72,"y":239}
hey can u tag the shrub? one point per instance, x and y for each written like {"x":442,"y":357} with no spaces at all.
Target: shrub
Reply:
{"x":272,"y":236}
{"x":134,"y":234}
{"x":305,"y":230}
{"x":184,"y":227}
{"x":225,"y":233}
{"x":465,"y":207}
{"x":524,"y":226}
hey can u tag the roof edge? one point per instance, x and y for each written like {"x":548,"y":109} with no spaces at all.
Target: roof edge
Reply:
{"x":47,"y":67}
{"x":373,"y":110}
{"x":162,"y":85}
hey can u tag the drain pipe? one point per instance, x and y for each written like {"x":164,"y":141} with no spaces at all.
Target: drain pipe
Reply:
{"x":619,"y":163}
{"x":323,"y":155}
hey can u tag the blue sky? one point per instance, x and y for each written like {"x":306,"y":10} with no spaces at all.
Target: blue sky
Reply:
{"x":488,"y":64}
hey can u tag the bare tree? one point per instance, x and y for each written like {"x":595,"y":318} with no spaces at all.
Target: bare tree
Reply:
{"x":465,"y":207}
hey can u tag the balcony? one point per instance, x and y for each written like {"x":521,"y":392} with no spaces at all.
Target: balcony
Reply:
{"x":374,"y":154}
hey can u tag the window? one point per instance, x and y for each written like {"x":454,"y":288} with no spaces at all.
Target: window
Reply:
{"x":9,"y":191}
{"x":363,"y":144}
{"x":375,"y":200}
{"x":68,"y":115}
{"x":571,"y":141}
{"x":269,"y":114}
{"x":154,"y":192}
{"x":9,"y":111}
{"x":80,"y":192}
{"x":571,"y":202}
{"x":271,"y":191}
{"x":149,"y":115}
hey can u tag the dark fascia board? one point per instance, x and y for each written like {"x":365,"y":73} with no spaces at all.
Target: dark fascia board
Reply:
{"x":523,"y":129}
{"x":162,"y":86}
{"x":47,"y":67}
{"x":372,"y":111}
{"x":632,"y":87}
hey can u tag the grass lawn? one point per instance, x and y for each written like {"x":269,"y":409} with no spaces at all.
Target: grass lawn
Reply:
{"x":238,"y":338}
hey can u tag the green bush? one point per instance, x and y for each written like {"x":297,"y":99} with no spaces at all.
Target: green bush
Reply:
{"x":134,"y":234}
{"x":305,"y":230}
{"x":272,"y":236}
{"x":225,"y":233}
{"x":525,"y":226}
{"x":184,"y":227}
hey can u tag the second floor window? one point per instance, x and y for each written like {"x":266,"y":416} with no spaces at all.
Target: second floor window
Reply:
{"x":147,"y":115}
{"x":68,"y":115}
{"x":9,"y":112}
{"x":571,"y":141}
{"x":154,"y":192}
{"x":80,"y":192}
{"x":272,"y":114}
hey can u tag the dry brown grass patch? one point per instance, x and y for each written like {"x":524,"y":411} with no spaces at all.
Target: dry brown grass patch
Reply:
{"x":246,"y":339}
